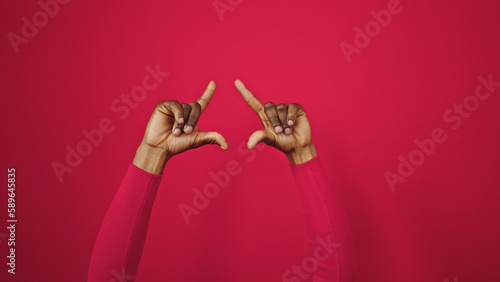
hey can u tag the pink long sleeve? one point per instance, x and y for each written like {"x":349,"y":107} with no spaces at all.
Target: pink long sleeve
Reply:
{"x":329,"y":236}
{"x":118,"y":248}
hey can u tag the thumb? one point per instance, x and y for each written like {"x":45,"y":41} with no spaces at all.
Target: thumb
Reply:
{"x":260,"y":136}
{"x":211,"y":137}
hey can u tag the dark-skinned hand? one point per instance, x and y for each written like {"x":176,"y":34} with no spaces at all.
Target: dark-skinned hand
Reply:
{"x":285,"y":127}
{"x":172,"y":130}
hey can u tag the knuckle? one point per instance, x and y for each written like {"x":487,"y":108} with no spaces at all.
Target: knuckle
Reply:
{"x":282,"y":108}
{"x":269,"y":105}
{"x":196,"y":105}
{"x":160,"y":104}
{"x":186,"y":106}
{"x":174,"y":103}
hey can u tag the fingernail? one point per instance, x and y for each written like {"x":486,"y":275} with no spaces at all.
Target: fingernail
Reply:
{"x":177,"y":132}
{"x":288,"y":131}
{"x":290,"y":122}
{"x":188,"y":129}
{"x":278,"y":129}
{"x":181,"y":120}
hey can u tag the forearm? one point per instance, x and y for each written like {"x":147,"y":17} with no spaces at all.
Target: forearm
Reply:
{"x":328,"y":232}
{"x":119,"y":244}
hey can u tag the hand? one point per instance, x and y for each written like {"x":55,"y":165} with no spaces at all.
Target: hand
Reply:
{"x":172,"y":130}
{"x":285,"y":127}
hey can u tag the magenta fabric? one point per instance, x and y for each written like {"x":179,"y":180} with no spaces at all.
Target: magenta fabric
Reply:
{"x":120,"y":241}
{"x":325,"y":223}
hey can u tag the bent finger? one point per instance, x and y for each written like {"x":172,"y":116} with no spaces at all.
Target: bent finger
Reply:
{"x":272,"y":116}
{"x":193,"y":117}
{"x":292,"y":113}
{"x":282,"y":110}
{"x":177,"y":128}
{"x":175,"y":108}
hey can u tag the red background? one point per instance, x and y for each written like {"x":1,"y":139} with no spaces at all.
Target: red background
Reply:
{"x":441,"y":223}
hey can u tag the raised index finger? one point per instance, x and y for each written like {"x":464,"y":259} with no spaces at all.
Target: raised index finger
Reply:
{"x":206,"y":96}
{"x":249,"y":97}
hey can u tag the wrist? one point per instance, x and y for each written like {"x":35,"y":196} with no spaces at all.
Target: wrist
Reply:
{"x":302,"y":155}
{"x":151,"y":159}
